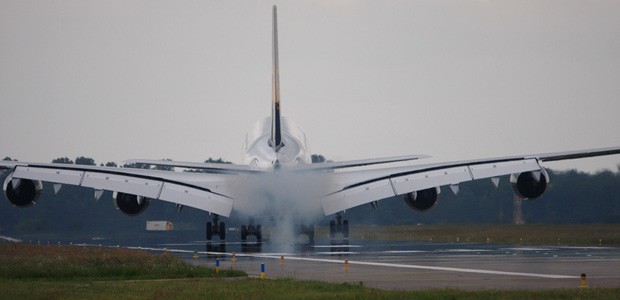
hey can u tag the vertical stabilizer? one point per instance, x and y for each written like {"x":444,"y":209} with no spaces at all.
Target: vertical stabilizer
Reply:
{"x":276,"y":133}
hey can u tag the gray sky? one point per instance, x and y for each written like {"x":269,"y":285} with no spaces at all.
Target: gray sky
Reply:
{"x":115,"y":80}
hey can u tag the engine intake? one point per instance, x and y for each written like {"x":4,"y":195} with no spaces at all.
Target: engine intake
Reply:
{"x":530,"y":185}
{"x":22,"y":192}
{"x":422,"y":200}
{"x":131,"y":205}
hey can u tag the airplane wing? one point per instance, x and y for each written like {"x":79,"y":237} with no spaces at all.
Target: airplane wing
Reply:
{"x":358,"y":187}
{"x":203,"y":191}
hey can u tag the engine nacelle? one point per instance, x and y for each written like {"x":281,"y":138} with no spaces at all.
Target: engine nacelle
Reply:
{"x":22,"y":192}
{"x":424,"y":199}
{"x":530,"y":185}
{"x":129,"y":204}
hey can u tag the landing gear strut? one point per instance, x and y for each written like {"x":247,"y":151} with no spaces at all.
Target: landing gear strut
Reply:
{"x":308,"y":230}
{"x":339,"y":226}
{"x":216,"y":228}
{"x":251,"y":230}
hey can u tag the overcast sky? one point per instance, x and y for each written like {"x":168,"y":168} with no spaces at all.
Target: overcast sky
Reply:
{"x":185,"y":80}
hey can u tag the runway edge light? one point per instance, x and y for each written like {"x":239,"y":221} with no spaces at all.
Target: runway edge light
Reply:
{"x":262,"y":271}
{"x":584,"y":283}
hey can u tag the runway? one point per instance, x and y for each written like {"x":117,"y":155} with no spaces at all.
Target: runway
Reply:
{"x":418,"y":265}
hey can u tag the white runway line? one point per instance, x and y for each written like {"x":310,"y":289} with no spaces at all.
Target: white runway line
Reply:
{"x":462,"y":270}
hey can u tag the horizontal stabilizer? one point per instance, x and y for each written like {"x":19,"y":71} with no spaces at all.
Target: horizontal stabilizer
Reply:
{"x":206,"y":167}
{"x":358,"y":163}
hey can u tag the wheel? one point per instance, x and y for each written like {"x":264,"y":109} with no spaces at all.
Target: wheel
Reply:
{"x":209,"y":231}
{"x":244,"y":233}
{"x":311,"y":234}
{"x":222,"y":231}
{"x":259,"y":233}
{"x":299,"y":229}
{"x":332,"y":229}
{"x":345,"y":228}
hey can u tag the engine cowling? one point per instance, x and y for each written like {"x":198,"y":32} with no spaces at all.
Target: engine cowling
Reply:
{"x":529,"y":185}
{"x":423,"y":200}
{"x":131,"y":205}
{"x":22,"y":192}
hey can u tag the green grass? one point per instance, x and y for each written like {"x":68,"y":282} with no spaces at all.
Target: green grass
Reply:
{"x":528,"y":234}
{"x":250,"y":288}
{"x":21,"y":261}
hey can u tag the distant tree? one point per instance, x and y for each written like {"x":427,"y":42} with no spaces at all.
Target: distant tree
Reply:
{"x":148,"y":166}
{"x":318,"y":158}
{"x":136,"y":166}
{"x":62,"y":160}
{"x":9,"y":159}
{"x":217,"y":161}
{"x":85,"y":161}
{"x":209,"y":161}
{"x":111,"y":164}
{"x":165,"y":168}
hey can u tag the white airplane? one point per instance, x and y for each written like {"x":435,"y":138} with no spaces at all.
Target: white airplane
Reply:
{"x":278,"y":179}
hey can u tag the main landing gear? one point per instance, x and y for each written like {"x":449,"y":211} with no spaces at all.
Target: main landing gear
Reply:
{"x":308,"y":230}
{"x":216,"y":228}
{"x":251,"y":230}
{"x":339,"y":226}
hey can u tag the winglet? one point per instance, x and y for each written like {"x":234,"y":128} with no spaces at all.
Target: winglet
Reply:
{"x":276,"y":134}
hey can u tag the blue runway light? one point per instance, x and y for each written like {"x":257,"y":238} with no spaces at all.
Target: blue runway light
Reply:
{"x":262,"y":271}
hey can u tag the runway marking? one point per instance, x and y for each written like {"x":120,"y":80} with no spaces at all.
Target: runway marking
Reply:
{"x":450,"y":269}
{"x":528,"y":249}
{"x":378,"y":264}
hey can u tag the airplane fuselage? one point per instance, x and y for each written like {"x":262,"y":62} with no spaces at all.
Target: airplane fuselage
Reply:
{"x":260,"y":154}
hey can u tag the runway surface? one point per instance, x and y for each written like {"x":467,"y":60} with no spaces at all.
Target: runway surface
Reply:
{"x":416,"y":265}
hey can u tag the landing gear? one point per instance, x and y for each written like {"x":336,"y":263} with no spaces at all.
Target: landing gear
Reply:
{"x":216,"y":228}
{"x":251,"y":230}
{"x":339,"y":226}
{"x":308,"y":230}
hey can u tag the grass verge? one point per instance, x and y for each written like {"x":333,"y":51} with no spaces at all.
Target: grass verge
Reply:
{"x":527,"y":234}
{"x":250,"y":288}
{"x":22,"y":261}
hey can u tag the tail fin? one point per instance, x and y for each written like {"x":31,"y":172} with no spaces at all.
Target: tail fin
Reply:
{"x":276,"y":134}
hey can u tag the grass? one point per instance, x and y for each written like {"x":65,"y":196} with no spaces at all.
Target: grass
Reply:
{"x":528,"y":234}
{"x":250,"y":288}
{"x":21,"y":261}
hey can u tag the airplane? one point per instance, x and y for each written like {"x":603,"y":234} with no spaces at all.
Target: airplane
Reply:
{"x":278,"y":179}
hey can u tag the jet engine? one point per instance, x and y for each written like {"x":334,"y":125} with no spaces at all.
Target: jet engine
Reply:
{"x":131,"y":205}
{"x":22,"y":192}
{"x":530,"y":185}
{"x":422,"y":200}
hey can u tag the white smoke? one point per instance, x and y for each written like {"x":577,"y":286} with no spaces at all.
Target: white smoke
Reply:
{"x":288,"y":199}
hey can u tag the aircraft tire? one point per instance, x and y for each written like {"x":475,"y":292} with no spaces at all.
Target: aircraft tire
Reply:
{"x":244,"y":233}
{"x":209,"y":231}
{"x":259,"y":233}
{"x":222,"y":231}
{"x":311,"y":234}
